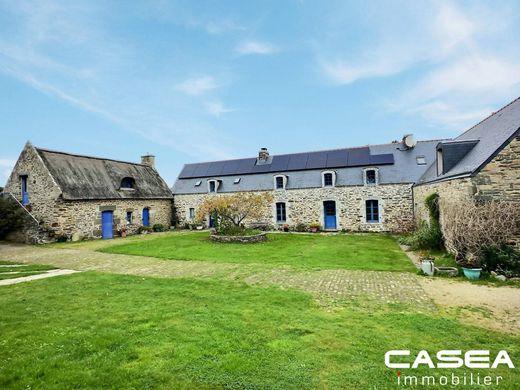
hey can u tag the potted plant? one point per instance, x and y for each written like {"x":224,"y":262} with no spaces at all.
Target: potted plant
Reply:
{"x":285,"y":228}
{"x":427,"y":263}
{"x":122,"y":231}
{"x":471,"y":267}
{"x":314,"y":227}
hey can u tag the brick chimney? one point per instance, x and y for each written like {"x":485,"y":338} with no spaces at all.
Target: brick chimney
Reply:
{"x":149,"y":160}
{"x":263,"y":155}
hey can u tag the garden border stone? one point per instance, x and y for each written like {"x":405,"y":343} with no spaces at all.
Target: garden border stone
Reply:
{"x":261,"y":237}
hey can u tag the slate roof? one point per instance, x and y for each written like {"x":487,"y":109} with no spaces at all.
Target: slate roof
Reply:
{"x":337,"y":158}
{"x":492,"y":133}
{"x":85,"y":177}
{"x":396,"y":165}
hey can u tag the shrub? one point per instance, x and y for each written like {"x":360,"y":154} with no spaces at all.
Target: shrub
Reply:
{"x":503,"y":259}
{"x":11,"y":217}
{"x":144,"y":229}
{"x":158,"y":227}
{"x":238,"y":231}
{"x":469,"y":227}
{"x":427,"y":236}
{"x":301,"y":227}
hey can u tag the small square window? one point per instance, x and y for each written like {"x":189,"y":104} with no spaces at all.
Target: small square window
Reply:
{"x":198,"y":183}
{"x":237,"y":180}
{"x":279,"y":182}
{"x":371,"y":177}
{"x":327,"y":180}
{"x":421,"y":160}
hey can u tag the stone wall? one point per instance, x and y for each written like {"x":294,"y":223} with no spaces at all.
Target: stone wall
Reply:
{"x":306,"y":206}
{"x":43,"y":190}
{"x":82,"y":218}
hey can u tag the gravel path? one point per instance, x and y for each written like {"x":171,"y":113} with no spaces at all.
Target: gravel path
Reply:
{"x":44,"y":275}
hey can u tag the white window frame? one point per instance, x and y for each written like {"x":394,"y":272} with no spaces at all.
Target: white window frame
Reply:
{"x":284,"y":178}
{"x":333,"y":179}
{"x":422,"y":158}
{"x":365,"y":170}
{"x":440,"y":162}
{"x":217,"y":185}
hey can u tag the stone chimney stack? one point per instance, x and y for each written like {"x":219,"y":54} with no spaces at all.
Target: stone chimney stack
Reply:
{"x":149,"y":160}
{"x":263,"y":155}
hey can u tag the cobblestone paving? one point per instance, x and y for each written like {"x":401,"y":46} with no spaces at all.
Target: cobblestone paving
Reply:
{"x":326,"y":285}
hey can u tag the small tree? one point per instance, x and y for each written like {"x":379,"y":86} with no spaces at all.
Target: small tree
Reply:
{"x":233,"y":210}
{"x":11,"y":217}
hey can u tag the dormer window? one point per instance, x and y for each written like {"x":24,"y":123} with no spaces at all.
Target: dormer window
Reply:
{"x":280,"y":181}
{"x":328,"y":179}
{"x":128,"y":183}
{"x":371,"y":176}
{"x":213,"y":185}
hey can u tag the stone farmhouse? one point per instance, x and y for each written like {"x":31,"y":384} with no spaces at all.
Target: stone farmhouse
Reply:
{"x":372,"y":188}
{"x":87,"y":197}
{"x":482,"y":163}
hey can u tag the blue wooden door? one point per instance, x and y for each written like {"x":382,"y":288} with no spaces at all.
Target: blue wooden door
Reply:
{"x":25,"y":193}
{"x":329,"y":210}
{"x":107,"y":218}
{"x":146,"y":216}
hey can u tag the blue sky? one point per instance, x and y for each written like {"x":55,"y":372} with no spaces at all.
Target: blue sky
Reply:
{"x":197,"y":81}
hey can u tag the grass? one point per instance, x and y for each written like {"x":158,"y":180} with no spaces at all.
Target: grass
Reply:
{"x":108,"y":331}
{"x":376,"y":252}
{"x":27,"y":270}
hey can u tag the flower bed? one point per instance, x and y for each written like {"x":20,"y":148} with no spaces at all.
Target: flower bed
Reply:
{"x":260,"y":237}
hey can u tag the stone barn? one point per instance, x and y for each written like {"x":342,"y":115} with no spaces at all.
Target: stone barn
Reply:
{"x":79,"y":197}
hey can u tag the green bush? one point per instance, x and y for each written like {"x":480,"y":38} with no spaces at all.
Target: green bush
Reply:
{"x":11,"y":217}
{"x":503,"y":259}
{"x":144,"y":229}
{"x":427,"y":236}
{"x":233,"y":230}
{"x":301,"y":227}
{"x":158,"y":227}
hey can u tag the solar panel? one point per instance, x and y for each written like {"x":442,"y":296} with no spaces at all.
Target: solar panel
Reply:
{"x":245,"y":165}
{"x":230,"y":167}
{"x":297,"y":161}
{"x":279,"y":163}
{"x":358,"y":157}
{"x":187,"y":171}
{"x":381,"y":159}
{"x":317,"y":160}
{"x":337,"y":158}
{"x":215,"y":168}
{"x":201,"y":170}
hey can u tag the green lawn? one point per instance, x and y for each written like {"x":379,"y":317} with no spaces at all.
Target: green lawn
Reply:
{"x":26,"y":270}
{"x":378,"y":252}
{"x":96,"y":330}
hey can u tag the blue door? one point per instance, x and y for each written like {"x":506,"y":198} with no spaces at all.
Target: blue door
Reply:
{"x":211,"y":221}
{"x":146,"y":216}
{"x":25,"y":193}
{"x":107,"y":218}
{"x":329,"y":210}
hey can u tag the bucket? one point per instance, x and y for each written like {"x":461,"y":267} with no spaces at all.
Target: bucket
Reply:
{"x":428,"y":267}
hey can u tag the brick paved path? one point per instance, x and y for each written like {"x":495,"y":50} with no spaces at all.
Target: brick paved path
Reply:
{"x":325,"y":285}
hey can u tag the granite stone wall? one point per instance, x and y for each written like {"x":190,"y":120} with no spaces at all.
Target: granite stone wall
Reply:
{"x":306,"y":206}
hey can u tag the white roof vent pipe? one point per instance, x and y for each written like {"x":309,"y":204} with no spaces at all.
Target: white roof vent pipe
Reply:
{"x":409,"y":141}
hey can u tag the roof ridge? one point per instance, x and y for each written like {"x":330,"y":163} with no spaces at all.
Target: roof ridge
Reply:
{"x":489,"y":116}
{"x":315,"y":151}
{"x":86,"y":156}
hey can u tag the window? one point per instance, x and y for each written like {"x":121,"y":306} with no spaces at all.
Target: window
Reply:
{"x":371,"y":178}
{"x":279,"y":182}
{"x":440,"y":166}
{"x":281,"y":214}
{"x":192,"y":213}
{"x":198,"y":183}
{"x":328,"y":179}
{"x":236,"y":181}
{"x":372,"y":211}
{"x":24,"y":190}
{"x":421,"y":160}
{"x":128,"y":183}
{"x":213,"y":185}
{"x":129,"y":217}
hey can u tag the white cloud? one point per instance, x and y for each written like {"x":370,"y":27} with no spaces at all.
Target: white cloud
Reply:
{"x":198,"y":86}
{"x":217,"y":108}
{"x":256,"y":47}
{"x":222,"y":26}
